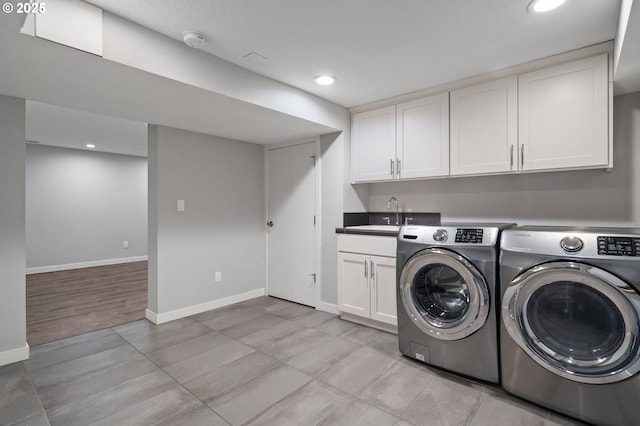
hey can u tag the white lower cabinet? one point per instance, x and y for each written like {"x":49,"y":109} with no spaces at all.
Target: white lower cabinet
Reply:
{"x":367,"y":277}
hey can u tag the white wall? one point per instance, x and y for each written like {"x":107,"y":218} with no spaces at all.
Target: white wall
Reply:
{"x":13,"y":329}
{"x":585,"y":197}
{"x":222,"y":228}
{"x":81,"y":206}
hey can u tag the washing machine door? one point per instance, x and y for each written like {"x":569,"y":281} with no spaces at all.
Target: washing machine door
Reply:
{"x":444,"y":294}
{"x":576,"y":320}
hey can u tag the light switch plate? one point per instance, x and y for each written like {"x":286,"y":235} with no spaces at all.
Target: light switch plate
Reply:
{"x":180,"y":205}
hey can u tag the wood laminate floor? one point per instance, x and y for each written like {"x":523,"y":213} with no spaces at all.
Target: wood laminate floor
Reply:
{"x":69,"y":303}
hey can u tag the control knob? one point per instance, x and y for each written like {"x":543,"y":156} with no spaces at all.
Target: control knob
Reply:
{"x":440,"y":235}
{"x":571,"y":244}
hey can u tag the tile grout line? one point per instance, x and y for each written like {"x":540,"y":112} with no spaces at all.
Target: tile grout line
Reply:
{"x":277,"y":402}
{"x":35,"y":390}
{"x":172,"y":378}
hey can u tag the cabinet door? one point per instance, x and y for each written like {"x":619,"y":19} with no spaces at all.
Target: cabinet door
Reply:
{"x":484,"y":120}
{"x":422,"y":137}
{"x":383,"y":290}
{"x":373,"y":145}
{"x":353,"y":284}
{"x":563,"y":115}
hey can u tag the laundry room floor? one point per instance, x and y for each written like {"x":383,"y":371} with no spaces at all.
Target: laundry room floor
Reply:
{"x":263,"y":361}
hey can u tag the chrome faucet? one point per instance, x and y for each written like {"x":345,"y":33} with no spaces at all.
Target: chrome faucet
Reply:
{"x":397,"y":209}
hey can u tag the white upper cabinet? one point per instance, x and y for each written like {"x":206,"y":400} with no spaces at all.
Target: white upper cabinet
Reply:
{"x":422,"y":137}
{"x":484,"y":128}
{"x":405,"y":141}
{"x":373,"y":153}
{"x":556,"y":118}
{"x":564,"y":116}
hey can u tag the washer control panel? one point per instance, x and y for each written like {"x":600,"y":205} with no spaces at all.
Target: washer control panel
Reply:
{"x":469,"y":235}
{"x":618,"y":246}
{"x":450,"y":234}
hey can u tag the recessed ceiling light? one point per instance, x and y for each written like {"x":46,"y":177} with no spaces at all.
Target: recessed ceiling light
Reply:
{"x":90,"y":145}
{"x":539,"y":6}
{"x":325,"y":80}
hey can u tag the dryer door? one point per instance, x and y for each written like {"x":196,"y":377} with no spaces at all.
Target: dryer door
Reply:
{"x":577,"y":321}
{"x":444,"y":294}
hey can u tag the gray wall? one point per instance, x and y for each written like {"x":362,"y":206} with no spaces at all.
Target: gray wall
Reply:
{"x":584,"y":197}
{"x":12,"y":242}
{"x":331,"y":202}
{"x":222,"y":228}
{"x":81,"y":206}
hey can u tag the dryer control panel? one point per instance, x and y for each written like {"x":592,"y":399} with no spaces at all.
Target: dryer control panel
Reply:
{"x":574,"y":242}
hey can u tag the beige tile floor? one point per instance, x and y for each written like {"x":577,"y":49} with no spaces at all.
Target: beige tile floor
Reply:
{"x":260,"y":362}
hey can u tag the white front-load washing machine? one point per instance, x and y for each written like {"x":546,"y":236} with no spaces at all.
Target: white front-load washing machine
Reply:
{"x":447,"y":297}
{"x":570,"y":313}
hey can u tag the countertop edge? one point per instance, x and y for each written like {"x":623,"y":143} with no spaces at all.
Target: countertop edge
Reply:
{"x":377,"y":233}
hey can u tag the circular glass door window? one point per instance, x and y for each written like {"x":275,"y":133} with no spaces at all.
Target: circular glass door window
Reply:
{"x":444,"y":294}
{"x":441,"y":294}
{"x":575,"y":321}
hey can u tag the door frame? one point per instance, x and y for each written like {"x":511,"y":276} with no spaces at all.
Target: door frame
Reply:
{"x":318,"y":208}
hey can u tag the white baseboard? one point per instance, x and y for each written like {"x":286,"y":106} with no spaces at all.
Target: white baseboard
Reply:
{"x":68,"y":266}
{"x":328,"y":307}
{"x":161,"y":318}
{"x":14,"y":355}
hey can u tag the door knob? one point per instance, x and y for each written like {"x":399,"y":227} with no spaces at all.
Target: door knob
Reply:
{"x":270,"y":224}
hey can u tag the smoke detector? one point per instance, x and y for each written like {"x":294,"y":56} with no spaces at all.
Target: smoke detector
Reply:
{"x":193,"y":39}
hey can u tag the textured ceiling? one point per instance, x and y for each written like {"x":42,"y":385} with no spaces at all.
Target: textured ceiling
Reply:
{"x":376,"y":48}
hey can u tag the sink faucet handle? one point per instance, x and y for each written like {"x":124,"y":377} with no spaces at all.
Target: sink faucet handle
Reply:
{"x":408,"y":220}
{"x":388,"y":219}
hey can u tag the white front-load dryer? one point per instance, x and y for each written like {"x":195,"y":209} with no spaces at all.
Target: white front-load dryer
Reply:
{"x":447,"y":297}
{"x":570,"y":329}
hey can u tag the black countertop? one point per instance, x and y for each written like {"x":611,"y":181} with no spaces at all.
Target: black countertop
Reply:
{"x":356,"y":223}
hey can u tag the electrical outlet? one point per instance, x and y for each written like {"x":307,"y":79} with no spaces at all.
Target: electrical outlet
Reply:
{"x":125,"y":244}
{"x":218,"y":277}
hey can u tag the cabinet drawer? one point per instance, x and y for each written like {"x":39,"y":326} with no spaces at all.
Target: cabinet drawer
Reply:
{"x":369,"y":244}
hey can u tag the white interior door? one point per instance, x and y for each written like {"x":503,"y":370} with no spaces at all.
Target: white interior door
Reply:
{"x":291,"y":200}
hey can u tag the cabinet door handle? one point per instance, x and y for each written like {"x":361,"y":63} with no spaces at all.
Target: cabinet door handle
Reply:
{"x":391,"y":163}
{"x":372,"y":270}
{"x":511,"y":157}
{"x":366,"y":274}
{"x":522,"y":156}
{"x":398,"y":167}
